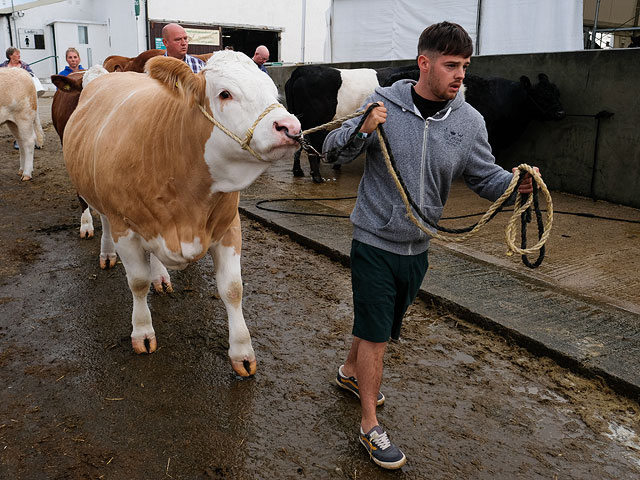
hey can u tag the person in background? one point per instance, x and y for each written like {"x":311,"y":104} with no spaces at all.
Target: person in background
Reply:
{"x":261,"y":57}
{"x":435,"y":137}
{"x":13,"y":61}
{"x":73,"y":62}
{"x":175,"y":39}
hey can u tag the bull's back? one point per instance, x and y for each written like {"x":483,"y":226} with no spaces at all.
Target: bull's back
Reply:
{"x":357,"y":85}
{"x":135,"y":152}
{"x":17,"y":95}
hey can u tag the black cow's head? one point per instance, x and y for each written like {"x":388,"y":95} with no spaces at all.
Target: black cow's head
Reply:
{"x":543,"y":98}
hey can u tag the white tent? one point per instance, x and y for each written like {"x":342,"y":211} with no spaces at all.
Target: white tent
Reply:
{"x":369,"y":30}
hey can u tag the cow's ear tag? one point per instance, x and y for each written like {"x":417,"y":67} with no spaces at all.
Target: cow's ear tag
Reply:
{"x":66,"y":87}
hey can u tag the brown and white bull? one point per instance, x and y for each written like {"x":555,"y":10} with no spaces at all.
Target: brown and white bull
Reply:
{"x":19,"y":110}
{"x":168,"y":183}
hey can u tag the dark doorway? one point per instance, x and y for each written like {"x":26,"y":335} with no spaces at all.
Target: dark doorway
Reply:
{"x":246,"y":41}
{"x":240,"y":39}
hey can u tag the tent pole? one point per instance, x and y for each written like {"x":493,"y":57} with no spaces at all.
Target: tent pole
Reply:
{"x":304,"y":21}
{"x":478,"y":14}
{"x":592,"y":43}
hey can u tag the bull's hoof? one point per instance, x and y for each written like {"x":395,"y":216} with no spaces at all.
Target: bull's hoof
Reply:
{"x":86,"y":233}
{"x":297,"y":172}
{"x":317,"y":178}
{"x":245,"y":368}
{"x":108,"y":261}
{"x":163,"y":287}
{"x":25,"y":178}
{"x":144,"y":344}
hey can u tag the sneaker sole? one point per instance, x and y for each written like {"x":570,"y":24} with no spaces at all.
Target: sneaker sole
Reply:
{"x":348,"y":389}
{"x":387,"y":465}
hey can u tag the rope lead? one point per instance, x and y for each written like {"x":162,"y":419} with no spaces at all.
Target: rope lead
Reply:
{"x":521,"y":210}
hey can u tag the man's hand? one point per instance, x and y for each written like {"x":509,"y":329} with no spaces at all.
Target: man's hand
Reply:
{"x":377,"y":116}
{"x":526,"y":186}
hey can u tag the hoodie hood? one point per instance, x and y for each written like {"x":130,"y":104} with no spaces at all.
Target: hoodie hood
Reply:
{"x":400,"y":94}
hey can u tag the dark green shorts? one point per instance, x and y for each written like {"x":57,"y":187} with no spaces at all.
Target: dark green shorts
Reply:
{"x":384,"y":285}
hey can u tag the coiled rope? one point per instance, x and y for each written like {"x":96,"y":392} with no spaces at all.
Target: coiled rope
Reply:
{"x":521,"y":210}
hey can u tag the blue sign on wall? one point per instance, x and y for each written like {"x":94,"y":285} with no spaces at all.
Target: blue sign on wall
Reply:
{"x":159,"y":43}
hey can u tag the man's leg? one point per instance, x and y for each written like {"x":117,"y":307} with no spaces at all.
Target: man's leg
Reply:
{"x":350,"y":365}
{"x":369,"y":374}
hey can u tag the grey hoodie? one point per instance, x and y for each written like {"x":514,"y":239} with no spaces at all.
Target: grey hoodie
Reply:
{"x":429,"y":155}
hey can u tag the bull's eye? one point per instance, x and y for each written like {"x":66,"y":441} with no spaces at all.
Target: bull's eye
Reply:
{"x":224,"y":95}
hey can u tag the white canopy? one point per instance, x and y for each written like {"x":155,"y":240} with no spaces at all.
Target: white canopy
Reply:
{"x":369,"y":30}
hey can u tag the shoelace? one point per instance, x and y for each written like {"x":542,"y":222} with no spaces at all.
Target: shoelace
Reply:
{"x":381,"y":440}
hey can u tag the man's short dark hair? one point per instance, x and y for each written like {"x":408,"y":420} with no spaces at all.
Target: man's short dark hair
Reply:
{"x":445,"y":38}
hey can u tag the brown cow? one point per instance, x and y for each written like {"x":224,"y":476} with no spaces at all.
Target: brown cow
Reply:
{"x":168,"y":183}
{"x":64,"y":103}
{"x":118,"y":63}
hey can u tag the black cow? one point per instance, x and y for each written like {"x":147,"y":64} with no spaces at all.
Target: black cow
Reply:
{"x":506,"y":105}
{"x":317,"y":94}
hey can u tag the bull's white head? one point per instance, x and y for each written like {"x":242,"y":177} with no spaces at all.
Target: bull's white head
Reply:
{"x":238,"y":93}
{"x":242,"y":101}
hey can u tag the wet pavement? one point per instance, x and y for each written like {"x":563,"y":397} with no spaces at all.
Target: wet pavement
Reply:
{"x":581,"y":306}
{"x":462,"y":401}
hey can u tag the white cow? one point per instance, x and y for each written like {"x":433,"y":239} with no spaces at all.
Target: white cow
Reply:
{"x":19,"y":110}
{"x":156,"y":157}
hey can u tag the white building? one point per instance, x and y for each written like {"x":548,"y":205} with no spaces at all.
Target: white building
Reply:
{"x":293,"y":30}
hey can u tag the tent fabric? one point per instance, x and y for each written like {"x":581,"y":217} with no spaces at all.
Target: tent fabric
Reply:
{"x":530,"y":26}
{"x":370,"y":30}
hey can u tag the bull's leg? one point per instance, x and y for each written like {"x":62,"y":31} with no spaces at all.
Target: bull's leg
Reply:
{"x":226,"y":259}
{"x":297,"y":170}
{"x":159,"y":276}
{"x":139,"y":277}
{"x":86,"y":220}
{"x":26,"y":139}
{"x":108,"y":255}
{"x":314,"y":163}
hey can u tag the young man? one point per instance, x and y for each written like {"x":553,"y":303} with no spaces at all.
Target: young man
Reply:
{"x":175,"y":39}
{"x":435,"y":137}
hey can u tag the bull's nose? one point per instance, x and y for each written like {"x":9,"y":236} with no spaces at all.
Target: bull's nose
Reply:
{"x":287,"y":128}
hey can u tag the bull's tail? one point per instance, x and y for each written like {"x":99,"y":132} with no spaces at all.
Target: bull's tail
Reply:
{"x":37,"y":126}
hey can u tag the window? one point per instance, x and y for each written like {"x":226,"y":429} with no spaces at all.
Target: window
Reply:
{"x":83,"y":35}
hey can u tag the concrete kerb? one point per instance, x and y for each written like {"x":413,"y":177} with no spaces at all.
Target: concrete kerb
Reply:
{"x":594,"y":340}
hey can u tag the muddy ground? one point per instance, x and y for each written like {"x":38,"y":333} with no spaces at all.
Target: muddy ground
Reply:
{"x":77,"y":403}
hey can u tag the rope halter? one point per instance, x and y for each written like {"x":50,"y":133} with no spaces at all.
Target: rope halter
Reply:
{"x":244,"y":144}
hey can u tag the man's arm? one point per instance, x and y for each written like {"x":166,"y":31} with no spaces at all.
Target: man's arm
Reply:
{"x":337,"y":139}
{"x":484,"y":177}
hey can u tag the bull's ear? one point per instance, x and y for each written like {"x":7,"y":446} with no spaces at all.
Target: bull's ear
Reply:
{"x":66,"y":84}
{"x":543,"y":78}
{"x":525,"y":82}
{"x":176,"y":76}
